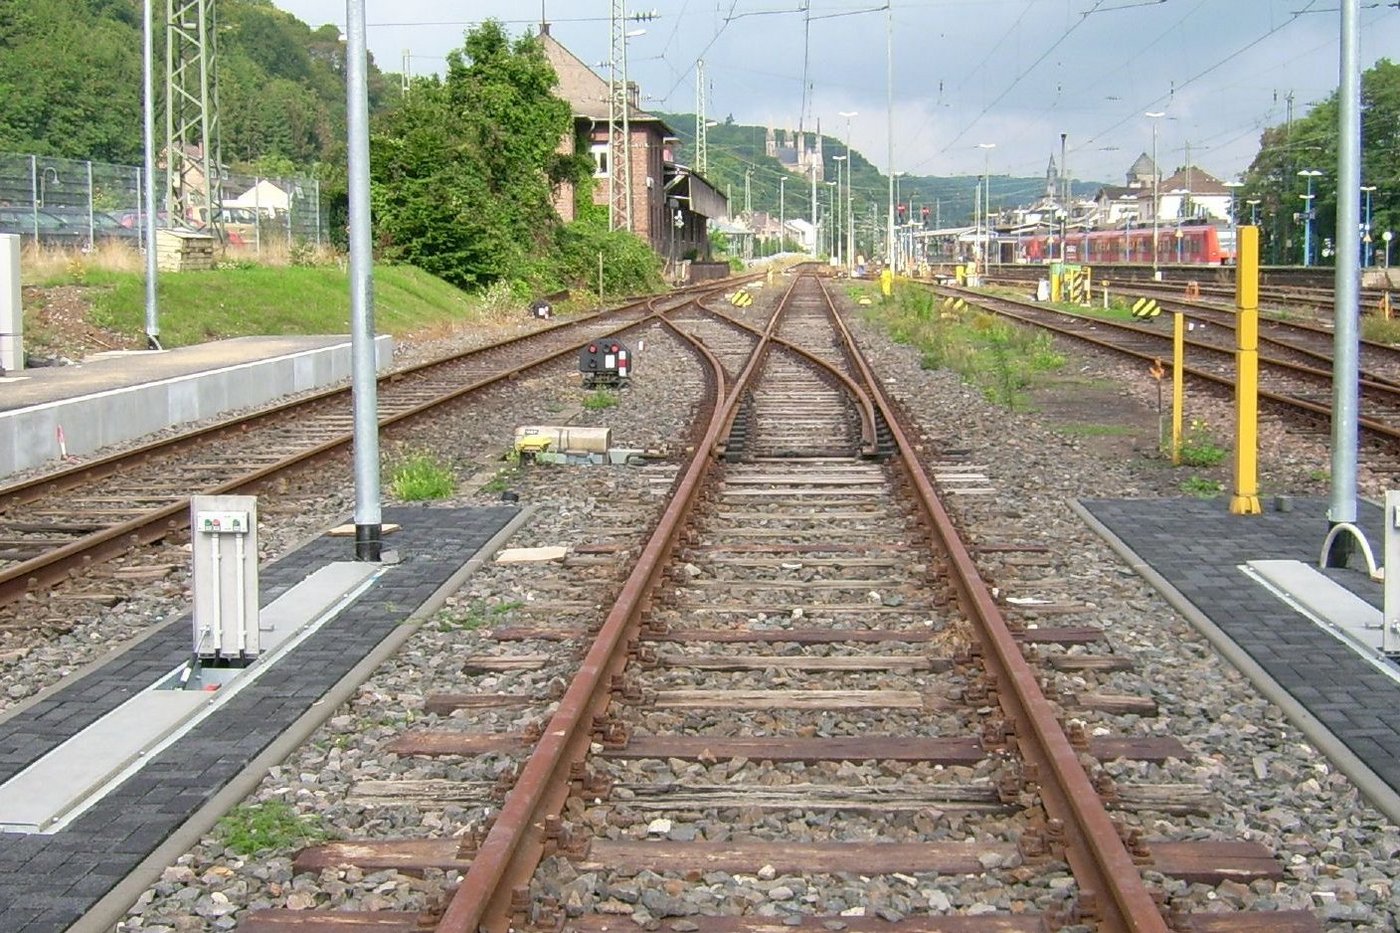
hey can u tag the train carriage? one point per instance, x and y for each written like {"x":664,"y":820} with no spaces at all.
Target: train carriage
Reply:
{"x":1191,"y":244}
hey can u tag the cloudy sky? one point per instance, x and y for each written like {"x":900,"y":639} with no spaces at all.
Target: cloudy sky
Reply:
{"x":1013,"y":73}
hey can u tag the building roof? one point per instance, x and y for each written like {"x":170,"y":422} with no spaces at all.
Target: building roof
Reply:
{"x":1193,"y":180}
{"x":1143,"y":167}
{"x":586,"y":92}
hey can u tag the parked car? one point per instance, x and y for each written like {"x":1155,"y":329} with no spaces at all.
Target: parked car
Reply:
{"x":52,"y":229}
{"x":240,"y":224}
{"x":104,"y":226}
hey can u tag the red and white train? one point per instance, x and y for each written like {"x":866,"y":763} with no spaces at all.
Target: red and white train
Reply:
{"x":1191,"y":244}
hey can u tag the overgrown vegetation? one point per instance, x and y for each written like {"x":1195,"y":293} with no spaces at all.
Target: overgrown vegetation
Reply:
{"x":254,"y":828}
{"x":476,"y":614}
{"x":1199,"y":448}
{"x":599,"y":399}
{"x":1201,"y":487}
{"x":420,"y":477}
{"x":1000,"y":359}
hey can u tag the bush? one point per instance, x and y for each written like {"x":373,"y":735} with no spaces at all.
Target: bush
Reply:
{"x":422,"y":477}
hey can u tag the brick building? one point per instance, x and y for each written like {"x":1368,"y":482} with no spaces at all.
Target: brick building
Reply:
{"x":671,"y":205}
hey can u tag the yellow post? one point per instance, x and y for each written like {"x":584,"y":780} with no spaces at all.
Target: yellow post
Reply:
{"x":886,"y":282}
{"x":1178,"y":382}
{"x":1246,"y":498}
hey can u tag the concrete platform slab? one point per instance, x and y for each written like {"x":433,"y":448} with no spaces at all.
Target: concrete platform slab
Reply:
{"x":1193,"y":552}
{"x":83,"y":877}
{"x":115,"y":398}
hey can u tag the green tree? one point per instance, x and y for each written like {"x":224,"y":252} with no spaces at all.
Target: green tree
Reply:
{"x":463,"y":171}
{"x":1311,"y":143}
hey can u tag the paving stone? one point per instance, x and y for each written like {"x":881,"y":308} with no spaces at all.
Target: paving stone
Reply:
{"x":48,"y":882}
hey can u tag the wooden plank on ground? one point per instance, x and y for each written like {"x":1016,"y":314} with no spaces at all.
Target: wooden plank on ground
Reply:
{"x":1118,"y":703}
{"x":867,"y":858}
{"x":432,"y":792}
{"x":432,"y":743}
{"x":277,"y":920}
{"x":491,"y":663}
{"x":749,"y":662}
{"x":1264,"y":921}
{"x":1102,"y":663}
{"x":1138,"y":748}
{"x":1064,"y":635}
{"x":673,"y":797}
{"x":802,"y":636}
{"x":793,"y":699}
{"x":1213,"y":861}
{"x":956,"y":751}
{"x":377,"y":854}
{"x":445,"y":703}
{"x":796,"y":923}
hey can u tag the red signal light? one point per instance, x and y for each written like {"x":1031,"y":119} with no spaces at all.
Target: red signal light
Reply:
{"x":592,"y":348}
{"x":614,"y":348}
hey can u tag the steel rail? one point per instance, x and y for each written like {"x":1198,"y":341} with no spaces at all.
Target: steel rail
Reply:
{"x":1380,"y":429}
{"x":1111,"y":884}
{"x":68,"y":560}
{"x":507,"y":857}
{"x":869,"y":434}
{"x":112,"y":464}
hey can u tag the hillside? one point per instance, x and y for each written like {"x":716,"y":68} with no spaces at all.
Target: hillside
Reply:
{"x":71,"y":72}
{"x":736,"y":148}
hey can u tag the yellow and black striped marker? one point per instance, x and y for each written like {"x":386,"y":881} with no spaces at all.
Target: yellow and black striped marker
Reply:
{"x":1146,"y":308}
{"x":741,"y":299}
{"x":952,"y":303}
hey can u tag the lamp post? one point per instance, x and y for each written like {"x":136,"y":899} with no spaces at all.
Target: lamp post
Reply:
{"x":1253,"y":211}
{"x":1385,"y":237}
{"x":782,"y":213}
{"x":987,"y":198}
{"x":1309,"y":174}
{"x":836,"y":227}
{"x":1234,"y":217}
{"x":1366,"y":230}
{"x":831,"y":211}
{"x":850,"y":165}
{"x":1156,"y":196}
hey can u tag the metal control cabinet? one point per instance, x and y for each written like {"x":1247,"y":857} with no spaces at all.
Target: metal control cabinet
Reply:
{"x":224,"y":533}
{"x":1391,"y":612}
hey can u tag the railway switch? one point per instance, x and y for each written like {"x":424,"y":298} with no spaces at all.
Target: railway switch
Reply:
{"x":225,"y":544}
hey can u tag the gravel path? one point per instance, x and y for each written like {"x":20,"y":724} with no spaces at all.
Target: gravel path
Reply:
{"x":1341,"y":858}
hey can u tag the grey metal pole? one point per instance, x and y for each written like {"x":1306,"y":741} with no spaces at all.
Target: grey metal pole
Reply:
{"x":368,"y":527}
{"x":889,"y":127}
{"x":148,"y":193}
{"x":1346,"y":352}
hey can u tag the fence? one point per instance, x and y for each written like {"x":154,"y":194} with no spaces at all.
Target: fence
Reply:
{"x":75,"y":203}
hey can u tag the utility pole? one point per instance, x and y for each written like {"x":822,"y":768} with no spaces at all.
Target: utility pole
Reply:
{"x":748,"y":200}
{"x":619,"y":125}
{"x":404,"y":78}
{"x":702,"y":129}
{"x":889,"y":127}
{"x":192,"y":110}
{"x":782,"y":213}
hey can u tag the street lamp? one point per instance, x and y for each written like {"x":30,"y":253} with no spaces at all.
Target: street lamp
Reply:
{"x":1156,"y":197}
{"x":1366,"y":237}
{"x":987,"y":199}
{"x":1309,"y":174}
{"x":850,"y":219}
{"x":782,"y":214}
{"x":831,"y":209}
{"x":1386,"y":238}
{"x":1253,"y":211}
{"x":836,"y":227}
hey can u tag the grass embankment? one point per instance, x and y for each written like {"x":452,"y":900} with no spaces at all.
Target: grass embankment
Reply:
{"x":242,"y":298}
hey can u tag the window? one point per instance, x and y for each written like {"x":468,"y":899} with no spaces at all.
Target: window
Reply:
{"x":600,"y":159}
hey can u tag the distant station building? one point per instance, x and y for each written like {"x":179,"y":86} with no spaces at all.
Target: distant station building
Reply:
{"x":671,"y":204}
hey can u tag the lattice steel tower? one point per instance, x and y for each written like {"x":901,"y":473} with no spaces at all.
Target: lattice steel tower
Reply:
{"x":702,"y":128}
{"x":619,"y":125}
{"x":192,"y":149}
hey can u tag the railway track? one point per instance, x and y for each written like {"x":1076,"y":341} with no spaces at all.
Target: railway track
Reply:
{"x":1297,"y":387}
{"x":63,"y":527}
{"x":805,"y":636}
